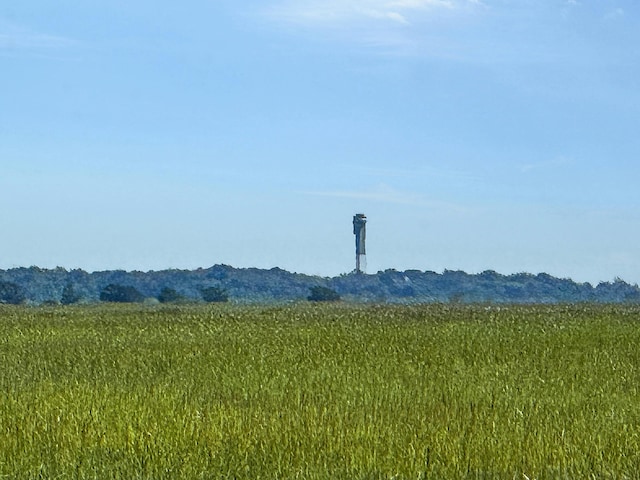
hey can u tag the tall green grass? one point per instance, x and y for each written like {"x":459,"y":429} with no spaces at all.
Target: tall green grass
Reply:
{"x":315,"y":392}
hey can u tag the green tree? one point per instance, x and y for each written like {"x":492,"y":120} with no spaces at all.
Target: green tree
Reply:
{"x":169,"y":295}
{"x":120,"y":294}
{"x":69,"y":295}
{"x":214,"y":295}
{"x":323,"y":294}
{"x":11,"y":293}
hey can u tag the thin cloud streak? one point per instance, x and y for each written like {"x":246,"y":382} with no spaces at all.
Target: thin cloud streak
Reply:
{"x":394,"y":16}
{"x":386,"y":194}
{"x":552,"y":164}
{"x":17,"y":38}
{"x":424,"y":172}
{"x":421,"y":3}
{"x":383,"y":193}
{"x":469,"y":31}
{"x":319,"y":13}
{"x":614,"y":14}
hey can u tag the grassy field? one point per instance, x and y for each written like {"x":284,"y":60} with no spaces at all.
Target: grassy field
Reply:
{"x":319,"y":392}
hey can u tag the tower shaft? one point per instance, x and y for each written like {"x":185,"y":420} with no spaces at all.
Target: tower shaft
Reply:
{"x":360,"y":231}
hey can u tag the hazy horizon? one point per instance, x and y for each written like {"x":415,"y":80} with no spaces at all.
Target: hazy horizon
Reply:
{"x":474,"y":134}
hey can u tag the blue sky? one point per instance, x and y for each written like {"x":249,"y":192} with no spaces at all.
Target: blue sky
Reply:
{"x":475,"y":135}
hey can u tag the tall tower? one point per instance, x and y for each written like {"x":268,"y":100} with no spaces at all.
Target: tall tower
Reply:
{"x":360,"y":231}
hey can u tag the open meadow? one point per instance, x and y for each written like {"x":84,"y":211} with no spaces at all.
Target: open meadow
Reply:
{"x":319,"y":391}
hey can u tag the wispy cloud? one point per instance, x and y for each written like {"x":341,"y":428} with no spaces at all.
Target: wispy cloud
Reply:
{"x":394,"y":16}
{"x":15,"y":38}
{"x":382,"y":193}
{"x":488,"y":32}
{"x":551,"y":164}
{"x":421,"y":172}
{"x":614,"y":14}
{"x":421,"y":3}
{"x":389,"y":27}
{"x":327,"y":12}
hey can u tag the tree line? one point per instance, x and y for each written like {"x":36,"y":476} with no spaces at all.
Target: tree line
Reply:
{"x":221,"y":283}
{"x":11,"y":293}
